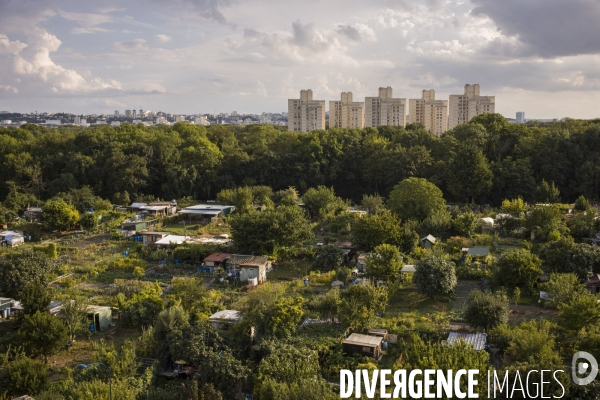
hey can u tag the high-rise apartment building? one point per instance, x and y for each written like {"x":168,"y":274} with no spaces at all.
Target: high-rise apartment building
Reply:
{"x":77,"y":120}
{"x":463,"y":107}
{"x":134,"y":114}
{"x":429,"y":112}
{"x":117,"y":113}
{"x":520,"y":117}
{"x":346,"y":113}
{"x":384,"y":109}
{"x":306,"y":114}
{"x":128,"y":114}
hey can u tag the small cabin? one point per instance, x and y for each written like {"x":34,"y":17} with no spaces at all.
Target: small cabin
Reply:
{"x":363,"y":345}
{"x":428,"y":241}
{"x":99,"y":317}
{"x":150,"y":238}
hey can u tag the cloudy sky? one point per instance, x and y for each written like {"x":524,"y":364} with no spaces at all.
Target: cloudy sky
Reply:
{"x":200,"y":56}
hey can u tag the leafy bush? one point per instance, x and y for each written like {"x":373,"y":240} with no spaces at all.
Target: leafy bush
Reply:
{"x":126,"y":264}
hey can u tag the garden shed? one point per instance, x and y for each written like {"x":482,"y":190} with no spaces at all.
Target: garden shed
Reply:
{"x":364,"y":345}
{"x":99,"y":317}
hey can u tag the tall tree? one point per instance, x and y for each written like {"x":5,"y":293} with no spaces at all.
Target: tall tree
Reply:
{"x":519,"y":268}
{"x":360,"y":305}
{"x":371,"y":231}
{"x":43,"y":334}
{"x":20,"y":269}
{"x":385,"y":263}
{"x":416,"y":198}
{"x":322,"y":201}
{"x":34,"y":297}
{"x":434,"y":276}
{"x":486,"y":310}
{"x":58,"y":215}
{"x":468,"y":174}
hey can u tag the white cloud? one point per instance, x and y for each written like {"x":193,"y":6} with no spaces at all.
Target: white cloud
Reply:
{"x":134,"y":45}
{"x":34,"y":63}
{"x":88,"y":22}
{"x":162,"y":38}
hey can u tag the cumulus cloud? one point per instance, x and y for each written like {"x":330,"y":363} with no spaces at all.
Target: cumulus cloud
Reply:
{"x":211,"y":9}
{"x":34,"y":63}
{"x":162,"y":38}
{"x":357,"y":32}
{"x":547,"y":28}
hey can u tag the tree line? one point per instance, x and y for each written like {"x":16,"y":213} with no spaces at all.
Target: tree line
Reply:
{"x":486,"y":160}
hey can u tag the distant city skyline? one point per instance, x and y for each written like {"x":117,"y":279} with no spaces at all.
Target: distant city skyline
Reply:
{"x":190,"y":56}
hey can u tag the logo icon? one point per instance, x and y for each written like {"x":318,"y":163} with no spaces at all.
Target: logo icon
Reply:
{"x":582,"y":367}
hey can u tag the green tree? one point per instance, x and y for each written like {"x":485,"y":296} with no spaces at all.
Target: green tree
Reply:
{"x":284,"y":317}
{"x":58,"y":215}
{"x":514,"y":207}
{"x":372,"y":203}
{"x":322,"y":201}
{"x":34,"y":297}
{"x":562,"y":287}
{"x":547,"y":193}
{"x":287,"y":363}
{"x":24,"y":376}
{"x":287,"y":197}
{"x":546,"y":221}
{"x":585,"y":260}
{"x":486,"y":310}
{"x":264,"y":232}
{"x":241,"y":198}
{"x":122,"y":199}
{"x":465,"y":223}
{"x":520,"y":269}
{"x":385,"y":263}
{"x":416,"y":198}
{"x":529,"y":345}
{"x":89,"y":222}
{"x":468,"y":174}
{"x":42,"y":334}
{"x":582,"y":204}
{"x":434,"y":276}
{"x":580,"y":311}
{"x":418,"y":354}
{"x":20,"y":269}
{"x":516,"y":296}
{"x":328,"y":258}
{"x":371,"y":231}
{"x":74,"y":317}
{"x":329,"y":305}
{"x":584,"y":224}
{"x":360,"y":305}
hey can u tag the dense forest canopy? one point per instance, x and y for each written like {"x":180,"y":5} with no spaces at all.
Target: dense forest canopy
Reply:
{"x":486,"y":160}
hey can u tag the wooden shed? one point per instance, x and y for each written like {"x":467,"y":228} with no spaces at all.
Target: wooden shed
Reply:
{"x":364,"y":345}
